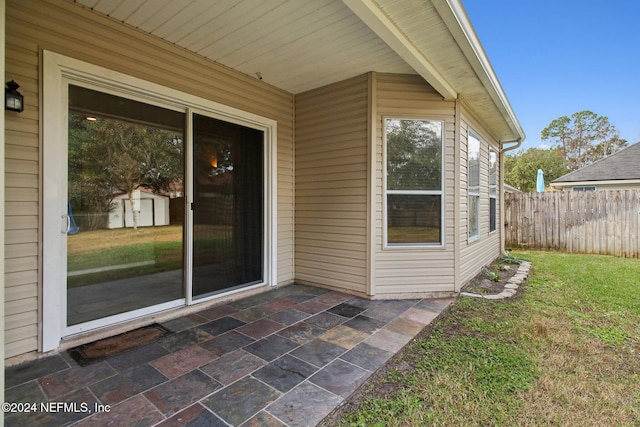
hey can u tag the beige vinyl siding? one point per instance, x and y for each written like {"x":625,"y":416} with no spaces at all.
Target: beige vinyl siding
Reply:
{"x":477,"y":253}
{"x":414,"y":270}
{"x":331,"y":185}
{"x":71,"y":30}
{"x":21,"y":200}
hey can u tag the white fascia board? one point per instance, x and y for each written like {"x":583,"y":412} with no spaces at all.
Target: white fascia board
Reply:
{"x":596,"y":183}
{"x":369,"y":12}
{"x":455,"y":17}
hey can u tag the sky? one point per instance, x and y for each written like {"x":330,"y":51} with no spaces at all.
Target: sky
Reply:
{"x":557,"y":57}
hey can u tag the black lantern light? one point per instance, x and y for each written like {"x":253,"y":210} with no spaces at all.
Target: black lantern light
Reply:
{"x":13,"y":100}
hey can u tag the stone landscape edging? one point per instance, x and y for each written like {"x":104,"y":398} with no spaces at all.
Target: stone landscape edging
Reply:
{"x":510,"y":288}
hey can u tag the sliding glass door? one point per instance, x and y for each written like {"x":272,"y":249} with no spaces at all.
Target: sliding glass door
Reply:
{"x":228,"y":206}
{"x":126,"y":206}
{"x":153,"y":199}
{"x":124,"y":237}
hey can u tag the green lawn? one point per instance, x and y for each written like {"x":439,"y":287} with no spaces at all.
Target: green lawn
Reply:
{"x":414,"y":234}
{"x":565,"y":352}
{"x":160,"y":247}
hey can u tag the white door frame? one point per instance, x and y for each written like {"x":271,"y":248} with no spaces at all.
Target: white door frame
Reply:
{"x":58,"y":71}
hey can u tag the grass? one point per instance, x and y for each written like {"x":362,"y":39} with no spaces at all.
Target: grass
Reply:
{"x":563,"y":352}
{"x":161,"y":245}
{"x":414,"y":234}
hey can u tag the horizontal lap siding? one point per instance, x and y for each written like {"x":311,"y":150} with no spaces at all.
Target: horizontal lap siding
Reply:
{"x":70,"y":30}
{"x":478,"y":253}
{"x":331,"y":185}
{"x":401,"y":270}
{"x":21,"y":199}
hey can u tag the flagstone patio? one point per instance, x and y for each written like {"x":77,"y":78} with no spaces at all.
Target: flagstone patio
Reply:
{"x":286,"y":357}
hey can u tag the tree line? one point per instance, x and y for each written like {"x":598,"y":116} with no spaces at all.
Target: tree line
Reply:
{"x":576,"y":141}
{"x":108,"y":157}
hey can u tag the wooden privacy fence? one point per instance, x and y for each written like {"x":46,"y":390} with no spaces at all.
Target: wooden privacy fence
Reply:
{"x":601,"y":222}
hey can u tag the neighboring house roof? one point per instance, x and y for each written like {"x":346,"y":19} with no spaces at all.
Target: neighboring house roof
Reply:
{"x":305,"y":44}
{"x":619,"y":166}
{"x":511,"y":189}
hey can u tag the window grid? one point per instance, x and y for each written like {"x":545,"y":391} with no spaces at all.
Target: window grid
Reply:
{"x":414,"y":176}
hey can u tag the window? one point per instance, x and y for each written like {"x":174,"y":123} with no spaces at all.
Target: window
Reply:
{"x":585,"y":188}
{"x":473,"y":176}
{"x":413,"y":176}
{"x":493,"y":188}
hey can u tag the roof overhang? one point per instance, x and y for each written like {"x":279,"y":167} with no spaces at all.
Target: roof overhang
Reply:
{"x":380,"y":23}
{"x":457,"y":20}
{"x":469,"y":72}
{"x":304,"y":44}
{"x":596,"y":183}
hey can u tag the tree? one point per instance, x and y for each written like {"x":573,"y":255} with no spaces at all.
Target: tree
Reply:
{"x":109,"y":155}
{"x":583,"y":138}
{"x":521,"y":169}
{"x":88,"y":193}
{"x":414,"y":159}
{"x":414,"y":162}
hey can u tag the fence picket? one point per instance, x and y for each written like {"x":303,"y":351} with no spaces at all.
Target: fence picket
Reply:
{"x":603,"y":222}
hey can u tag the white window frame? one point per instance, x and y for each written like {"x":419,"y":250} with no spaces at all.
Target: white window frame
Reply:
{"x":473,"y":191}
{"x":58,"y":72}
{"x":493,"y":186}
{"x":386,"y":192}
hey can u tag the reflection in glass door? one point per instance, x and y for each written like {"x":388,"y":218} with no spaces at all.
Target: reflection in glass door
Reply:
{"x":125,"y":205}
{"x":228,"y":208}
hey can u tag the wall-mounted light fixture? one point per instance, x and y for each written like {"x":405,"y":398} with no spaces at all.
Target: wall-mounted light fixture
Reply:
{"x":13,"y":100}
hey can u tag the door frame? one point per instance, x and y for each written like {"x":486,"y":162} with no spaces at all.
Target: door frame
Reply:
{"x":57,"y":72}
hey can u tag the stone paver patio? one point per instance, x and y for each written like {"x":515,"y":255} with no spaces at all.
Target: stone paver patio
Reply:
{"x":286,"y":357}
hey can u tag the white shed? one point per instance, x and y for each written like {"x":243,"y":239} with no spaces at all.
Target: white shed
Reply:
{"x":153,"y":210}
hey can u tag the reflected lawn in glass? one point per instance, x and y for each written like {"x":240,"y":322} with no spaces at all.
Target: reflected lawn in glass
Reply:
{"x":147,"y":250}
{"x":154,"y":249}
{"x":406,"y":235}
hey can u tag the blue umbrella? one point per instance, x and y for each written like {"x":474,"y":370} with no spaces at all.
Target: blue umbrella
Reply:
{"x":73,"y":228}
{"x":540,"y":181}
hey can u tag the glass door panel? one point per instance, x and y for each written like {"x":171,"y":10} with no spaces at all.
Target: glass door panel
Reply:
{"x":228,"y":208}
{"x":125,"y":205}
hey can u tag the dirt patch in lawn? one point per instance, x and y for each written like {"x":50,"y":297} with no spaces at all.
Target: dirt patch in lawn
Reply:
{"x":492,"y":278}
{"x":376,"y":385}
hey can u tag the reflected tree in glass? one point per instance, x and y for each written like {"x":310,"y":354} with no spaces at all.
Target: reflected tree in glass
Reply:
{"x":108,"y":156}
{"x":414,"y":181}
{"x":414,"y":150}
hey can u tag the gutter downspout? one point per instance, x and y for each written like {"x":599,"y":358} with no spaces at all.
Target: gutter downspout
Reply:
{"x":516,"y":144}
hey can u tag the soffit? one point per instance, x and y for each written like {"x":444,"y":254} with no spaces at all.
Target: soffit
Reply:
{"x":299,"y":45}
{"x":294,"y":45}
